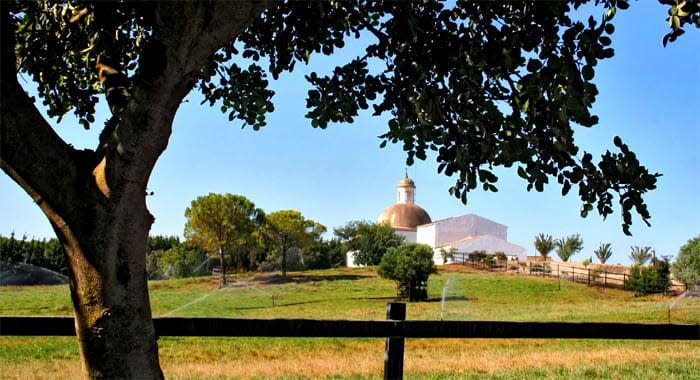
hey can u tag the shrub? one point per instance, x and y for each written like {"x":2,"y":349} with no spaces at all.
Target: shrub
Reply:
{"x":369,"y":241}
{"x":448,"y":254}
{"x":654,"y":278}
{"x":176,"y":262}
{"x":595,"y":274}
{"x":586,"y":262}
{"x":323,"y":254}
{"x":181,"y":261}
{"x":409,"y":266}
{"x":480,"y":257}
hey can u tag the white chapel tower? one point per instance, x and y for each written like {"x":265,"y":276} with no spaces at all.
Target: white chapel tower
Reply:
{"x":405,"y":215}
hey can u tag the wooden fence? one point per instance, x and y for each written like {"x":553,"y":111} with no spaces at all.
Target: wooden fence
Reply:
{"x":395,"y":329}
{"x":589,"y":276}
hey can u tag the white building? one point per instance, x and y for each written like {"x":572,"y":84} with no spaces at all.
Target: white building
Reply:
{"x":462,"y":234}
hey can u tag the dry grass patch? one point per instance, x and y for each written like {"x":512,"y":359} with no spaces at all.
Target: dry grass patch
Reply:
{"x":52,"y":370}
{"x":455,"y":358}
{"x":274,"y":358}
{"x":483,"y":356}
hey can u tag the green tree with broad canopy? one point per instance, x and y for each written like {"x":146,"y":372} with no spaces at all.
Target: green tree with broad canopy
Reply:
{"x":286,"y":230}
{"x":483,"y":84}
{"x":686,"y":268}
{"x":222,"y":224}
{"x":368,"y":241}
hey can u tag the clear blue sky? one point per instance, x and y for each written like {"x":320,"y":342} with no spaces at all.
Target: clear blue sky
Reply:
{"x":649,"y":95}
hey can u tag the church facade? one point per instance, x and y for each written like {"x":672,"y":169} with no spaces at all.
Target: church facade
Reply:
{"x":461,"y":235}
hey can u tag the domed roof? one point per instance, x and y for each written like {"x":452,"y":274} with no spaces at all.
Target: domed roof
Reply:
{"x":404,"y":216}
{"x":406,"y":182}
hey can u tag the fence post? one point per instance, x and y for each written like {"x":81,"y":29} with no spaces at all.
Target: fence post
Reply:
{"x":605,"y":273}
{"x":393,"y":352}
{"x":589,"y":276}
{"x":558,"y":277}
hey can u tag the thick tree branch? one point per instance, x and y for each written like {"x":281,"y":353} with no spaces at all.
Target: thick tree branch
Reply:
{"x":31,"y":153}
{"x":170,"y":65}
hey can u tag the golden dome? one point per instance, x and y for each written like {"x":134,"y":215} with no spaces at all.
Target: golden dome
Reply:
{"x":406,"y":182}
{"x":404,"y":216}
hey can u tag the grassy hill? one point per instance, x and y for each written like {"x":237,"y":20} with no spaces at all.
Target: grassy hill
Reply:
{"x":360,"y":294}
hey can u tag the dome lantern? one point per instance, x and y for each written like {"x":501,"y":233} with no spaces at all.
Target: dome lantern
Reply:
{"x":406,"y":191}
{"x":405,"y":215}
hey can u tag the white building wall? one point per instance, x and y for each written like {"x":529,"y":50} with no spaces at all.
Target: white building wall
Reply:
{"x":426,"y":234}
{"x":457,"y":228}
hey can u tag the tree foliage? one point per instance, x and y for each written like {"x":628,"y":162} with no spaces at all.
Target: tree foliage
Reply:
{"x":177,"y":262}
{"x":640,"y":255}
{"x":686,"y":268}
{"x":323,"y":254}
{"x":544,"y":244}
{"x":288,"y":230}
{"x":222,"y":224}
{"x":653,"y":278}
{"x":409,"y":265}
{"x":44,"y":253}
{"x":483,"y":84}
{"x":568,"y":246}
{"x":526,"y":69}
{"x":368,"y":241}
{"x":162,"y":243}
{"x":603,"y":252}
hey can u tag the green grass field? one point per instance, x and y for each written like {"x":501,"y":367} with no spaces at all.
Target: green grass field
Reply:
{"x":360,"y":294}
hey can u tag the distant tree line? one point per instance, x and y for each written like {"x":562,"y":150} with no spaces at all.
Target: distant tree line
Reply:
{"x":236,"y":235}
{"x":47,"y":253}
{"x":168,"y":257}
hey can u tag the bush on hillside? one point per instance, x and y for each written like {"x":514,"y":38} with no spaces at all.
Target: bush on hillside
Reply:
{"x":369,"y":241}
{"x":177,"y":262}
{"x":324,"y":254}
{"x":409,"y":266}
{"x":648,"y":279}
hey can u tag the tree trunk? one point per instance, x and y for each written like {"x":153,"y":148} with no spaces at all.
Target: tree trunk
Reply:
{"x":284,"y":260}
{"x":95,"y":200}
{"x":104,"y":232}
{"x":222,"y":265}
{"x":109,"y":291}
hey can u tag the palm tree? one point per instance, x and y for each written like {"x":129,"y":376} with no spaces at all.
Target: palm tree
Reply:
{"x":567,"y":247}
{"x":640,"y":255}
{"x":544,"y":244}
{"x":603,"y":252}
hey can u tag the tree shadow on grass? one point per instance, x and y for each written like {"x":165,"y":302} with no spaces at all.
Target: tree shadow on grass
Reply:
{"x":447,"y":298}
{"x":300,"y":279}
{"x":286,"y":304}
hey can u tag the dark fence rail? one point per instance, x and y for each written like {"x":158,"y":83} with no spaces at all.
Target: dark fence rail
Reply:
{"x":230,"y":327}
